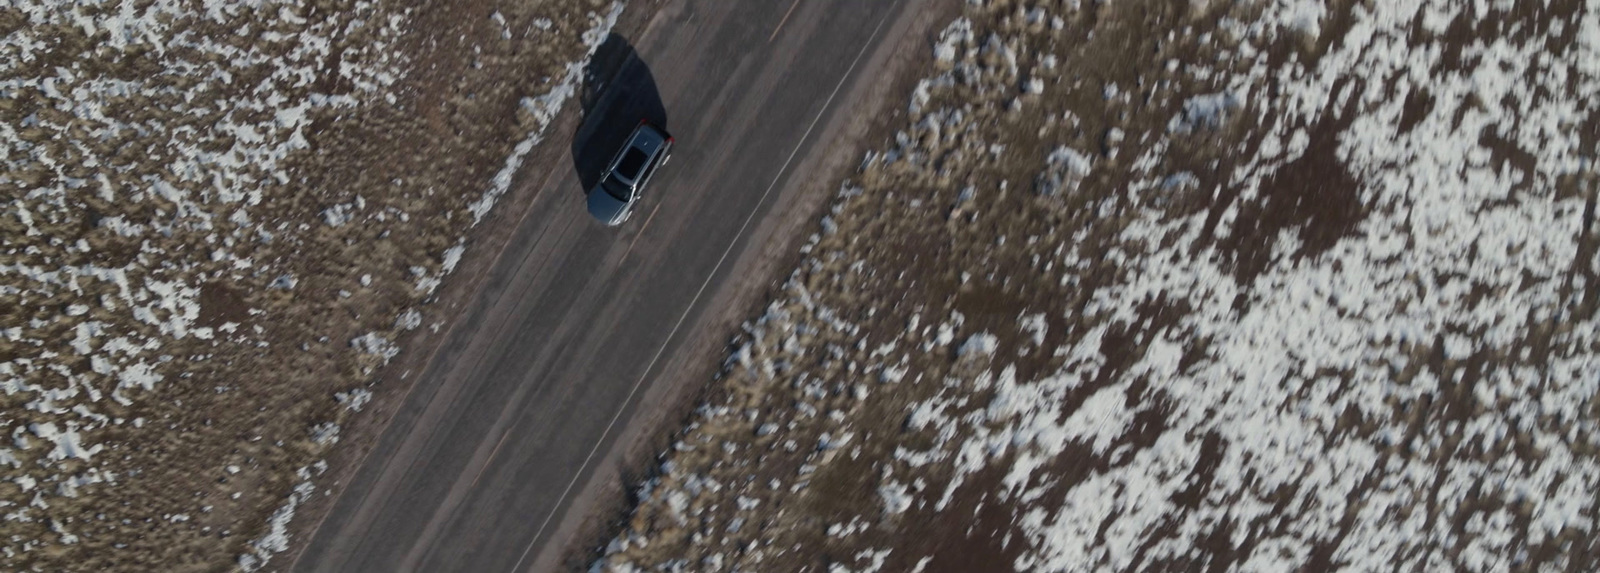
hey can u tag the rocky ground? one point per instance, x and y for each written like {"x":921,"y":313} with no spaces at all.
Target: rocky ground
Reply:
{"x":1148,"y":285}
{"x":220,"y":219}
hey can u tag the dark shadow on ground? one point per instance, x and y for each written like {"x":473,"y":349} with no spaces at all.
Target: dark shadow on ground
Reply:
{"x":618,"y":92}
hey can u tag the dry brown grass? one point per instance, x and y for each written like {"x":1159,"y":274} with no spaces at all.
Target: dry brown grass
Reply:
{"x":220,"y":438}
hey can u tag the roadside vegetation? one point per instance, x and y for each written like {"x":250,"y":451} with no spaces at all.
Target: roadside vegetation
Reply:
{"x":221,"y":219}
{"x":1147,"y":285}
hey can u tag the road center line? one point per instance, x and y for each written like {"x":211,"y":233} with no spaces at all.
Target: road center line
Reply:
{"x":742,"y":228}
{"x":486,"y":461}
{"x":636,"y":236}
{"x":781,"y":22}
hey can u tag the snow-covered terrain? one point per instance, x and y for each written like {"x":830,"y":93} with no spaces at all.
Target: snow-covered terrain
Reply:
{"x":210,"y":245}
{"x":1264,"y":286}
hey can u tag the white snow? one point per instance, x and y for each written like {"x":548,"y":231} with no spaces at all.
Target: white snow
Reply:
{"x":544,"y":108}
{"x":896,"y":497}
{"x":980,"y":344}
{"x":1067,"y":168}
{"x":376,"y":344}
{"x":1328,"y":337}
{"x":276,"y":539}
{"x":951,"y":40}
{"x":1302,"y":15}
{"x":1036,"y":328}
{"x":409,"y":319}
{"x":325,"y":434}
{"x":68,"y":444}
{"x":1204,"y":112}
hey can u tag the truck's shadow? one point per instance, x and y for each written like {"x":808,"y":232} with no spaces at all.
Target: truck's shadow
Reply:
{"x":618,"y":92}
